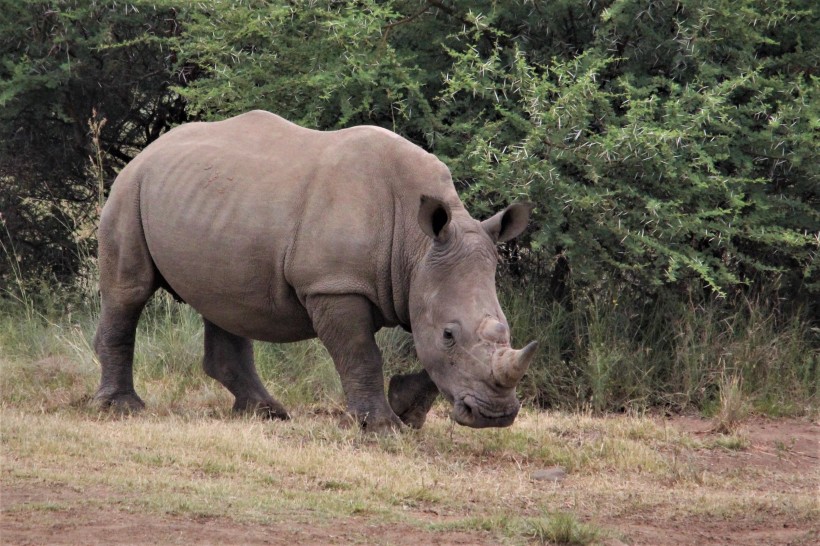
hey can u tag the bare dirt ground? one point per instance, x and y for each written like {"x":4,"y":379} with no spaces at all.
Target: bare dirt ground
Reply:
{"x":782,"y":455}
{"x":67,"y":518}
{"x":101,"y":516}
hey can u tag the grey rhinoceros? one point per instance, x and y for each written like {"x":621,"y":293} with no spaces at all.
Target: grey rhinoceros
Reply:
{"x":278,"y":233}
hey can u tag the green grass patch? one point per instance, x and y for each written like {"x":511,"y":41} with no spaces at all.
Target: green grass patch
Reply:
{"x":561,"y":528}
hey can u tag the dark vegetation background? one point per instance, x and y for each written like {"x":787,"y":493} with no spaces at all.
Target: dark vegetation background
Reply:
{"x":671,"y":147}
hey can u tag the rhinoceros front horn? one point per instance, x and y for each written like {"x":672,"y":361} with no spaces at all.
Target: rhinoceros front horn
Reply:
{"x":510,"y":365}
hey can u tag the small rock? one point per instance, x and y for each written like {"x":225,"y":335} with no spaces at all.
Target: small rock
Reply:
{"x":551,"y":474}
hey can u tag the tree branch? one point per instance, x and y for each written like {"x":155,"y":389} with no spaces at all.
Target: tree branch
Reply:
{"x":390,"y":26}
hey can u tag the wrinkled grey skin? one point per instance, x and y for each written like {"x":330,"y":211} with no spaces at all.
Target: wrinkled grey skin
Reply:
{"x":278,"y":233}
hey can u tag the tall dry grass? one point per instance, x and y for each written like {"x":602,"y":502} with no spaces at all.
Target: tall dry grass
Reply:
{"x":601,"y":354}
{"x":607,"y":354}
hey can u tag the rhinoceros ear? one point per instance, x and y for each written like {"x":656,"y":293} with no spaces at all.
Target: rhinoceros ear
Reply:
{"x":509,"y":223}
{"x":434,"y":217}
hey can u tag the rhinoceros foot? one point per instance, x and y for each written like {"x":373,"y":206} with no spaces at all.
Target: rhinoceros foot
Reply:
{"x":411,"y":396}
{"x":128,"y":402}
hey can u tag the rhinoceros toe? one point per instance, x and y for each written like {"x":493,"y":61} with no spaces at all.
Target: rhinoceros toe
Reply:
{"x":385,"y":423}
{"x":119,"y":402}
{"x":269,"y":409}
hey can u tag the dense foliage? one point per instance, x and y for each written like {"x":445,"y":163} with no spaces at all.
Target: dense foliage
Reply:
{"x":671,"y":148}
{"x":666,"y":144}
{"x":83,"y":87}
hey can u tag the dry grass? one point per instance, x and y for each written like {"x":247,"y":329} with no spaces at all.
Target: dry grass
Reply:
{"x":636,"y":478}
{"x":191,"y":459}
{"x":733,"y":408}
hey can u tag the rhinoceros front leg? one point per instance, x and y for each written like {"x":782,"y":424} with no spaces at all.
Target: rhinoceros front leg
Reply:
{"x":229,"y":360}
{"x":345,"y":325}
{"x":411,"y":396}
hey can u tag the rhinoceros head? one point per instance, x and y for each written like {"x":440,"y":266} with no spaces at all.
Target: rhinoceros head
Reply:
{"x":461,"y":335}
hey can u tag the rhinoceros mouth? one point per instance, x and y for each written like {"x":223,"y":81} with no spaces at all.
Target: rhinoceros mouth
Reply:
{"x":473,"y":412}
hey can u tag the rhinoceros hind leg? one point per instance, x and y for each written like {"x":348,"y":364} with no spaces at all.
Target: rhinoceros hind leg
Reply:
{"x":128,"y":278}
{"x":411,"y":396}
{"x":114,"y":345}
{"x":229,"y":360}
{"x":344,"y":323}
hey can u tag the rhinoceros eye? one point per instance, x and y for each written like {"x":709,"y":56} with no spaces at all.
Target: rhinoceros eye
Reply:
{"x":449,"y":339}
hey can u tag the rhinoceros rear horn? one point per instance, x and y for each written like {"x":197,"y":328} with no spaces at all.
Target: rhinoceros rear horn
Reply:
{"x":510,"y":365}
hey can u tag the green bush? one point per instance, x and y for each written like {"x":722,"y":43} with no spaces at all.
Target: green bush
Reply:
{"x":84,"y":86}
{"x":665,"y":146}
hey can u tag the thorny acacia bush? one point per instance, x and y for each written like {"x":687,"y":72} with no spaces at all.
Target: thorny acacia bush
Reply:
{"x":665,"y":145}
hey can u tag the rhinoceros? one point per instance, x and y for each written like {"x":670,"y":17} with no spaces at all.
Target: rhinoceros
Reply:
{"x":279,"y":233}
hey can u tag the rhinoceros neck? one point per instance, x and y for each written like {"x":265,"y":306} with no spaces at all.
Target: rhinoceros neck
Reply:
{"x":410,"y":245}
